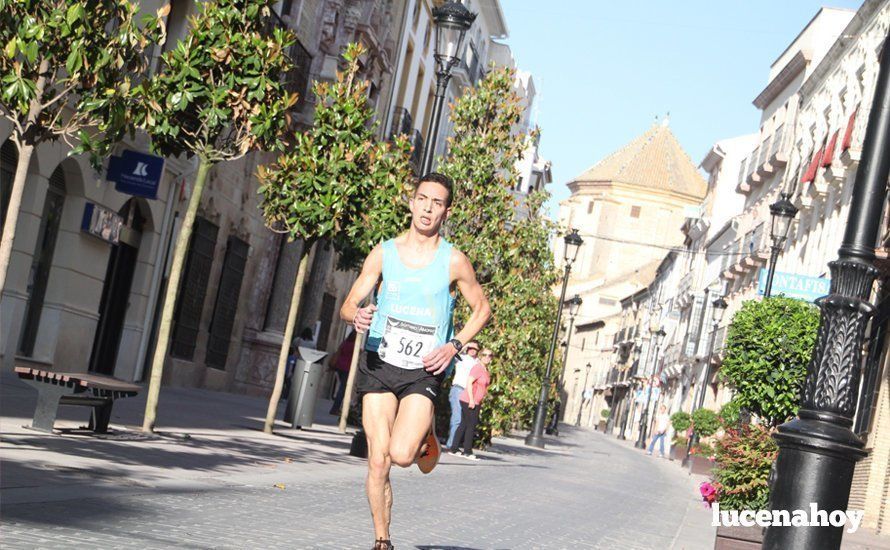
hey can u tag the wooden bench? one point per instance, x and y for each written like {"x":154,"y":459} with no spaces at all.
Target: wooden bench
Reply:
{"x":69,"y":388}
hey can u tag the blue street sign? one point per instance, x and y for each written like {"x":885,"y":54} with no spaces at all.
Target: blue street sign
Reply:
{"x":137,"y":174}
{"x":795,"y":286}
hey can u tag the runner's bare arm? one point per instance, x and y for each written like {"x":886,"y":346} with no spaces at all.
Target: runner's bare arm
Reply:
{"x":465,"y":277}
{"x":360,"y":317}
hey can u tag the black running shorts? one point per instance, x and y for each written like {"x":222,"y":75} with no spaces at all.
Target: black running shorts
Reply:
{"x":378,"y":376}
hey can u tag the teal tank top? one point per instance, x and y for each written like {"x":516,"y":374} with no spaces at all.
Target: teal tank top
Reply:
{"x":414,"y":308}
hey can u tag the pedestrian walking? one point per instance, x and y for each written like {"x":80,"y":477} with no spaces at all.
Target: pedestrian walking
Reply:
{"x":340,"y":364}
{"x":410,"y":341}
{"x":662,"y":423}
{"x":470,"y":402}
{"x":458,"y":383}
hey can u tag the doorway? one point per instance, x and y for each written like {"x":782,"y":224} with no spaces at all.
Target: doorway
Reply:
{"x":116,"y":291}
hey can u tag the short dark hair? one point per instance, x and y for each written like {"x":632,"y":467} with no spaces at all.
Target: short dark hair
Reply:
{"x":474,"y":342}
{"x":441,"y":179}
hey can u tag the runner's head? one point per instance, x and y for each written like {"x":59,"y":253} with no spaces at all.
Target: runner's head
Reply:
{"x":431,"y":202}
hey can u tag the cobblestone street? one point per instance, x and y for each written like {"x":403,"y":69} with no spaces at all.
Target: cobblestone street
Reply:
{"x":209,"y":481}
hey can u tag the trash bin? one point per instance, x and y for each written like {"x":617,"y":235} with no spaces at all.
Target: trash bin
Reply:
{"x":305,"y":380}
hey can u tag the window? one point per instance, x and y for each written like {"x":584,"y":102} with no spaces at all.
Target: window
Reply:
{"x":43,"y":259}
{"x":635,"y":211}
{"x":590,"y":207}
{"x":190,"y":304}
{"x":226,"y":306}
{"x":328,"y":305}
{"x":283,"y":284}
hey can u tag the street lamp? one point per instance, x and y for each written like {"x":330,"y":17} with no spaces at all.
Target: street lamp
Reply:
{"x":658,"y":337}
{"x":452,"y":21}
{"x":782,"y":213}
{"x":583,"y":389}
{"x":718,"y":309}
{"x":818,"y":450}
{"x":535,"y":438}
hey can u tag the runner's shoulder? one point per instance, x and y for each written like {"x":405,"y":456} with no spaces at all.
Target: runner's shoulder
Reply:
{"x":459,"y":259}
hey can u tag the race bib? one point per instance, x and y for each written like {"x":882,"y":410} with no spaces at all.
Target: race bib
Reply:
{"x":404,"y":344}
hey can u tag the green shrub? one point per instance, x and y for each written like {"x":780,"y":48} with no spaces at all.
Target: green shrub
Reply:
{"x":768,"y":346}
{"x":604,"y":413}
{"x":744,"y":458}
{"x":729,"y":415}
{"x":705,"y":422}
{"x":703,"y":449}
{"x":680,"y":421}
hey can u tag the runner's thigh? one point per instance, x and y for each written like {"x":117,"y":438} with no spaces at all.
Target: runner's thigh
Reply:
{"x":411,"y":425}
{"x":378,"y":416}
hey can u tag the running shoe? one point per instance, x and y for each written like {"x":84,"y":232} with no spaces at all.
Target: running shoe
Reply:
{"x":383,"y":544}
{"x":431,"y":451}
{"x":471,"y":456}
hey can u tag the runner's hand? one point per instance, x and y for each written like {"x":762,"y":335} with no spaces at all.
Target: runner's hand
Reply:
{"x":436,"y":361}
{"x":362,"y":319}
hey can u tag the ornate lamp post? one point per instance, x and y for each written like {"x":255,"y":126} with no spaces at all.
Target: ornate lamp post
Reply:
{"x":535,"y":438}
{"x":818,"y":450}
{"x":452,"y":21}
{"x":583,"y":389}
{"x":718,"y":309}
{"x":782,"y":213}
{"x":657,"y":337}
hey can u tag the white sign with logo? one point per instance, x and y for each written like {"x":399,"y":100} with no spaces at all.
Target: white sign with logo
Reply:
{"x":404,"y":344}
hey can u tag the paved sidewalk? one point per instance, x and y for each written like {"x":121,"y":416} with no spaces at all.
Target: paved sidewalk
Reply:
{"x":212,"y":479}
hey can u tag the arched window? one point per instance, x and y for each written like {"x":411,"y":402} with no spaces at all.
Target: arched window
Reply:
{"x":9,"y":159}
{"x":43,"y":259}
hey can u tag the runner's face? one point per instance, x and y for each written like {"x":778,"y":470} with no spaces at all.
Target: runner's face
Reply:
{"x":428,"y":207}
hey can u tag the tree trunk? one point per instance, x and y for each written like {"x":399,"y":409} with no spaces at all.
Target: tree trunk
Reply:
{"x":26,"y":143}
{"x":163,"y":342}
{"x":350,"y":380}
{"x":12,"y":210}
{"x":288,"y":336}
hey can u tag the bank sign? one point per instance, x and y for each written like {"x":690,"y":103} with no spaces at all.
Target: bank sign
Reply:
{"x":137,"y":174}
{"x":795,"y":286}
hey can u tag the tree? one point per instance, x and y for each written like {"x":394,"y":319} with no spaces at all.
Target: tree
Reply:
{"x":338,"y":183}
{"x":67,"y":69}
{"x":218,"y":97}
{"x":768,"y":346}
{"x":511,"y":255}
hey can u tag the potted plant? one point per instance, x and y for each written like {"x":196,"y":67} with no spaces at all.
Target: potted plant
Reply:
{"x":704,"y":424}
{"x":681,"y":421}
{"x":604,"y":417}
{"x":741,"y":482}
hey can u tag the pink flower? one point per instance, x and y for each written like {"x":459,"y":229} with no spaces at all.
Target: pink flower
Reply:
{"x":708,"y":493}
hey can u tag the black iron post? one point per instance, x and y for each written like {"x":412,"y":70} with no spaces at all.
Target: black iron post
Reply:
{"x":818,"y":450}
{"x":583,"y":389}
{"x":771,"y":271}
{"x":718,"y":308}
{"x":535,"y":438}
{"x":443,"y":76}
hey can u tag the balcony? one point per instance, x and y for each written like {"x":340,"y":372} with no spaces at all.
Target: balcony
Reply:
{"x":753,"y":177}
{"x":742,"y":185}
{"x":719,"y":341}
{"x":684,"y":289}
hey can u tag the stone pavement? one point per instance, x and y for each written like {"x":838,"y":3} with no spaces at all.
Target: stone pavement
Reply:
{"x":212,"y":479}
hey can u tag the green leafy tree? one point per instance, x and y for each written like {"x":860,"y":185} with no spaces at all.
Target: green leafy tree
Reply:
{"x":681,"y":421}
{"x":338,"y":183}
{"x":729,"y":414}
{"x":217,"y":97}
{"x":744,"y":458}
{"x":768,"y":346}
{"x":511,"y":255}
{"x":67,"y":69}
{"x":705,"y":422}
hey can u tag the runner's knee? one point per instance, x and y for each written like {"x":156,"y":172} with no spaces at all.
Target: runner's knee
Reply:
{"x":378,"y":463}
{"x":402,"y":456}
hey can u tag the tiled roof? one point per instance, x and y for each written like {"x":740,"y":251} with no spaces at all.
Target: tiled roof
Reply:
{"x":653,"y":160}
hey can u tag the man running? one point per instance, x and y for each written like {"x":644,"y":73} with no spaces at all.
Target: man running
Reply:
{"x":410,"y":341}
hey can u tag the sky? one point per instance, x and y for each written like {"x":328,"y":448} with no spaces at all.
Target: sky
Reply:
{"x":604,"y":70}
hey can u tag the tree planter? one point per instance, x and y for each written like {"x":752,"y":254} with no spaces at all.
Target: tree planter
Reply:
{"x":678,"y":452}
{"x":701,"y":465}
{"x":738,"y":538}
{"x":602,"y":426}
